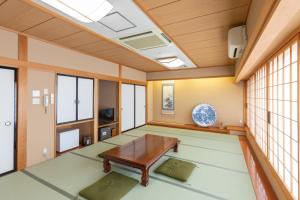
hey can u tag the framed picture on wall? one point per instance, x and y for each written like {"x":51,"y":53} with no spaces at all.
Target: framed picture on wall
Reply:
{"x":168,"y":97}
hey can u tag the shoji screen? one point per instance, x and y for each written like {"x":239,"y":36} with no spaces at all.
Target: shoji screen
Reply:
{"x":283,"y":109}
{"x":127,"y":107}
{"x":261,"y":109}
{"x":140,"y":105}
{"x":85,"y":98}
{"x":272,"y":104}
{"x":66,"y":98}
{"x":251,"y":103}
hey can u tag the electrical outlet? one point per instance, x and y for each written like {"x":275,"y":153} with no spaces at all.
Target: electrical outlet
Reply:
{"x":45,"y":152}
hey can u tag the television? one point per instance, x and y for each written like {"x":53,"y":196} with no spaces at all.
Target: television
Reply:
{"x":107,"y":114}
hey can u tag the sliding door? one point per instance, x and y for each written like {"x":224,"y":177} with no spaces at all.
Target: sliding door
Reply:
{"x":7,"y":120}
{"x":127,"y":107}
{"x":66,"y":98}
{"x":140,"y":105}
{"x":85,"y":98}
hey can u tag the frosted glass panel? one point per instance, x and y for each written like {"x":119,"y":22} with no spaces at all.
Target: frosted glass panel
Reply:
{"x":127,"y":107}
{"x":85,"y":98}
{"x":140,"y":105}
{"x":7,"y":125}
{"x":66,"y":99}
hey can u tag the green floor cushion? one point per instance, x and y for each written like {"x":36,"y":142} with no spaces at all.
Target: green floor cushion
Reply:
{"x":177,"y":169}
{"x":111,"y":187}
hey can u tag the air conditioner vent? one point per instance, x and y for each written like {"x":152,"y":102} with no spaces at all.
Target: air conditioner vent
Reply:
{"x":164,"y":35}
{"x":146,"y":40}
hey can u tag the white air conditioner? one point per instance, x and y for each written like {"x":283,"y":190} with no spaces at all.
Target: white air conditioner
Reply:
{"x":237,"y":39}
{"x":67,"y":140}
{"x":146,"y":40}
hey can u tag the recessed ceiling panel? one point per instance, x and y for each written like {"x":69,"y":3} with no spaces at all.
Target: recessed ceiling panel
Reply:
{"x":117,"y":22}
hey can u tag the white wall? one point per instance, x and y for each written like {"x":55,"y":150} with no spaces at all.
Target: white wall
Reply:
{"x":45,"y":53}
{"x":8,"y":44}
{"x":133,"y":74}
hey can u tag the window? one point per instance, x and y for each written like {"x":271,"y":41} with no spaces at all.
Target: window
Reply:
{"x":272,"y":106}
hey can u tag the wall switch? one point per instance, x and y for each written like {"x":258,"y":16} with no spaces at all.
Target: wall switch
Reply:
{"x":36,"y":93}
{"x":52,"y":98}
{"x":36,"y":101}
{"x":46,"y":91}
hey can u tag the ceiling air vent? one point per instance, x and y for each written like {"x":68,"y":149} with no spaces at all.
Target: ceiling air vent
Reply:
{"x":146,"y":40}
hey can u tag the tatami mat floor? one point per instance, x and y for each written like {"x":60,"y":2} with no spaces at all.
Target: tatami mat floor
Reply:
{"x":221,"y":171}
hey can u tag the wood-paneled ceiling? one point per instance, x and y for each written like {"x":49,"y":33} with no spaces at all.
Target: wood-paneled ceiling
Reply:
{"x":26,"y":17}
{"x":198,"y":27}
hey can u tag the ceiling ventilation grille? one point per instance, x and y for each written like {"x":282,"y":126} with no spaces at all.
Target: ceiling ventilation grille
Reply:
{"x":146,"y":40}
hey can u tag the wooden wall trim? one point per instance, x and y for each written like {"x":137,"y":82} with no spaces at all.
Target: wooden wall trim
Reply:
{"x":251,"y":44}
{"x":22,"y":105}
{"x":291,"y":38}
{"x":9,"y":62}
{"x":274,"y":179}
{"x":129,"y":81}
{"x":96,"y":110}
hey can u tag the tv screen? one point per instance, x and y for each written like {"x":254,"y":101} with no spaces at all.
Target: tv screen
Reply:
{"x":107,"y":114}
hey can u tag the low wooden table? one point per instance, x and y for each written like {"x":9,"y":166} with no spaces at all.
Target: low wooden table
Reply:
{"x":140,"y":153}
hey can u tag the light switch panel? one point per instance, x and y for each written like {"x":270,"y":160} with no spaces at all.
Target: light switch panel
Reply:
{"x":36,"y":101}
{"x":36,"y":93}
{"x":52,"y":98}
{"x":46,"y":91}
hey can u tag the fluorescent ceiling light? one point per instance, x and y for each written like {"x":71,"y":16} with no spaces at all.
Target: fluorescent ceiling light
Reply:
{"x":171,"y":62}
{"x":83,"y":10}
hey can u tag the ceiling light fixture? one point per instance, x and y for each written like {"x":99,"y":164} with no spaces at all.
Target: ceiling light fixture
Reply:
{"x":85,"y":11}
{"x":171,"y":62}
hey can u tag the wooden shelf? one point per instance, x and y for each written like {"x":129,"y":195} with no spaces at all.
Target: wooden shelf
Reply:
{"x":74,"y":123}
{"x":108,"y":124}
{"x":190,"y":127}
{"x":236,"y":128}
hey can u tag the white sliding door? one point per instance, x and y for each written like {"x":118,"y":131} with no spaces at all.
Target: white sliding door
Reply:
{"x":140,"y":105}
{"x":7,"y":120}
{"x":85,"y":98}
{"x":66,"y":98}
{"x":127,"y":107}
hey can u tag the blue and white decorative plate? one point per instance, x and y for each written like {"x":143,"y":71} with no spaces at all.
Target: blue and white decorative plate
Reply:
{"x":204,"y":115}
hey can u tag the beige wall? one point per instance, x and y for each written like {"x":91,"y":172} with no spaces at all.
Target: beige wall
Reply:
{"x":133,"y":74}
{"x":223,"y":93}
{"x":192,"y":73}
{"x":8,"y":44}
{"x":40,"y":127}
{"x":108,"y":92}
{"x":45,"y":53}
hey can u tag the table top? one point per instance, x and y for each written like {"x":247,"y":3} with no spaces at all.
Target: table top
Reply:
{"x":143,"y":151}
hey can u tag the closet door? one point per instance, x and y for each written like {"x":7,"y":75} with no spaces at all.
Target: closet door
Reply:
{"x":140,"y":105}
{"x":127,"y":107}
{"x":7,"y":120}
{"x":66,"y":98}
{"x":85,"y":98}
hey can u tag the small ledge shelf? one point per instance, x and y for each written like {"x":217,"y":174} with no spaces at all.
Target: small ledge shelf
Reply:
{"x":107,"y":124}
{"x":74,"y":123}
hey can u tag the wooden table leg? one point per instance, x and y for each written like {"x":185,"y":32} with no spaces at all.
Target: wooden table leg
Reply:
{"x":106,"y":165}
{"x":176,"y":147}
{"x":145,"y":177}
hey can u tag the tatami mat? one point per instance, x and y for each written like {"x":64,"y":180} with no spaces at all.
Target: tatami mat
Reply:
{"x":20,"y":186}
{"x":221,"y":171}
